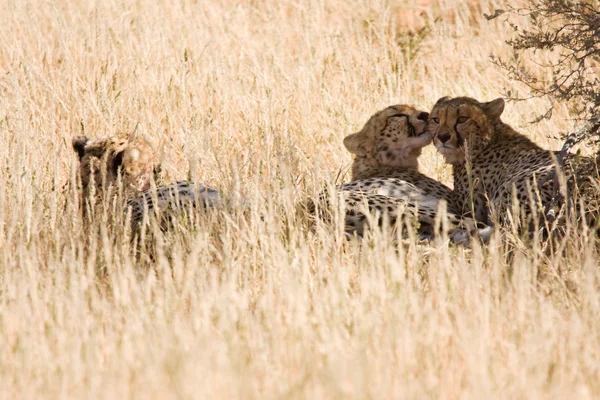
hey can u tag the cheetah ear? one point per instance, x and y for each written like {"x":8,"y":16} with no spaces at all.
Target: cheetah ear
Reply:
{"x":355,"y":143}
{"x":493,"y":109}
{"x":79,"y":143}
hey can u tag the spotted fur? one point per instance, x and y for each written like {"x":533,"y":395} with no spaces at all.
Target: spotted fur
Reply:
{"x":389,"y":144}
{"x":129,"y":159}
{"x":105,"y":162}
{"x":173,"y":199}
{"x":492,"y":161}
{"x":583,"y":189}
{"x":386,"y":180}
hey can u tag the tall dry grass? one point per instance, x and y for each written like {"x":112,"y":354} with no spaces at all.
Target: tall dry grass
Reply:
{"x":254,"y":98}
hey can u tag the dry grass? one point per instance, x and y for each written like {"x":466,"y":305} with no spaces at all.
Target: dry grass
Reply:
{"x":255,"y":98}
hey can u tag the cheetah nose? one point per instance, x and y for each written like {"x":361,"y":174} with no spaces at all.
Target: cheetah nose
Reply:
{"x":444,"y":137}
{"x":423,"y":116}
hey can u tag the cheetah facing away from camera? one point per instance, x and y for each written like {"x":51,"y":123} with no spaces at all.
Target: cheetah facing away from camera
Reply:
{"x":490,"y":159}
{"x":386,"y":180}
{"x":130,"y":160}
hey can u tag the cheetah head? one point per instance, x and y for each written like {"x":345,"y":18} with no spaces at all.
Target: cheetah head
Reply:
{"x":123,"y":156}
{"x":462,"y":125}
{"x":392,"y":137}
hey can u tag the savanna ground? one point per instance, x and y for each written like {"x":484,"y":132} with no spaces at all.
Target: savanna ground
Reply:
{"x":254,"y":98}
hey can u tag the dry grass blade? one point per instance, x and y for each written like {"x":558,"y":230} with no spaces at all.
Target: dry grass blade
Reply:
{"x":254,"y":98}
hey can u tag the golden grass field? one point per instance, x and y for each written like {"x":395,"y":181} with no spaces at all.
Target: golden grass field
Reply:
{"x":254,"y":98}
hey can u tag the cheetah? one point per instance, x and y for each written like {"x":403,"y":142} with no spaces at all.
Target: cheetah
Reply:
{"x":385,"y":175}
{"x":584,"y":188}
{"x":387,"y":148}
{"x":130,"y":160}
{"x":493,"y":163}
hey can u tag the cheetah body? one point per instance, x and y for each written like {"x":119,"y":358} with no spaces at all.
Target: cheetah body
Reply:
{"x":492,"y":163}
{"x":130,"y":160}
{"x":386,"y":180}
{"x":174,"y":198}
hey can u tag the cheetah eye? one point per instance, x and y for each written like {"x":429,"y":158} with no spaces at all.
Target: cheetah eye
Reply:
{"x":79,"y":145}
{"x":461,"y":120}
{"x":436,"y":120}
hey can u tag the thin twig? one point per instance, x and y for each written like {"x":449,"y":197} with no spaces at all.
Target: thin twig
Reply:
{"x":496,"y":14}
